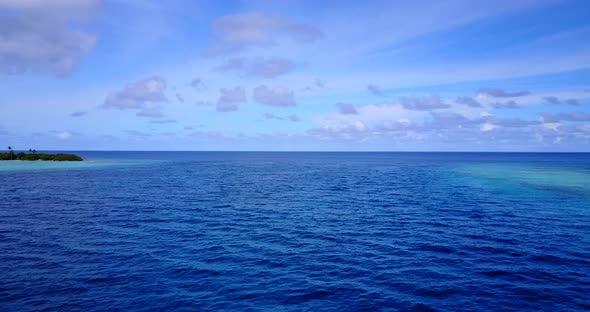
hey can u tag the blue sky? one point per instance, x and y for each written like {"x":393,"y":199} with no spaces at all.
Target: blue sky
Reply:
{"x":295,"y":75}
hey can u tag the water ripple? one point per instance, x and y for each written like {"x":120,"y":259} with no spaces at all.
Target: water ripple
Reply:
{"x":297,"y":232}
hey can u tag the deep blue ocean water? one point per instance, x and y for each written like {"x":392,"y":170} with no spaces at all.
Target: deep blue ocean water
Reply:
{"x":213,"y":231}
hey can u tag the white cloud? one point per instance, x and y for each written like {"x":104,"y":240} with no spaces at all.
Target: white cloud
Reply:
{"x":551,"y":126}
{"x":163,"y":121}
{"x":555,"y":100}
{"x":152,"y":112}
{"x":488,"y":126}
{"x":258,"y":67}
{"x":375,"y":90}
{"x":293,"y":118}
{"x":423,"y":102}
{"x":135,"y":95}
{"x":64,"y":135}
{"x":372,"y":116}
{"x":197,"y":84}
{"x":39,"y":36}
{"x":276,"y":96}
{"x":241,"y":31}
{"x":55,"y":9}
{"x":571,"y":116}
{"x":320,"y":83}
{"x":229,"y":99}
{"x":467,"y":100}
{"x":501,"y":93}
{"x":507,"y":104}
{"x":346,"y":109}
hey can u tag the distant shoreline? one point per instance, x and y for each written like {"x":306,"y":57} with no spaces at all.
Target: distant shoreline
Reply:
{"x":34,"y":156}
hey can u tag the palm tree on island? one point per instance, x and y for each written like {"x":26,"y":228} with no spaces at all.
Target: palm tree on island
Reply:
{"x":32,"y":155}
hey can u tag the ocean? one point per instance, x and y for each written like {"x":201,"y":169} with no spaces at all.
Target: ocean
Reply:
{"x":281,"y":231}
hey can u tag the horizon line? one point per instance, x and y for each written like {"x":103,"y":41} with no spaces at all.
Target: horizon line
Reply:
{"x":311,"y":151}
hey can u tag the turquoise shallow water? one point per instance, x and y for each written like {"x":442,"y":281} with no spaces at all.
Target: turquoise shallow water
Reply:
{"x":18,"y":165}
{"x":92,"y":160}
{"x":564,"y":177}
{"x":183,"y":231}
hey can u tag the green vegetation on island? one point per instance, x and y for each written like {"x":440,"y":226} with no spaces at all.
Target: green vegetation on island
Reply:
{"x":33,"y":155}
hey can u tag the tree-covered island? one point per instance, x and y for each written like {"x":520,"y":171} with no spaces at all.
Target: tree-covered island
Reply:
{"x":33,"y":155}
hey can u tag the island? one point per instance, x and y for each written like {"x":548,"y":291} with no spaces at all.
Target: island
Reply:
{"x":33,"y":155}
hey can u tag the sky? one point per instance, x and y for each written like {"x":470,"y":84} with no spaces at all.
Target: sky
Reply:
{"x":267,"y":75}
